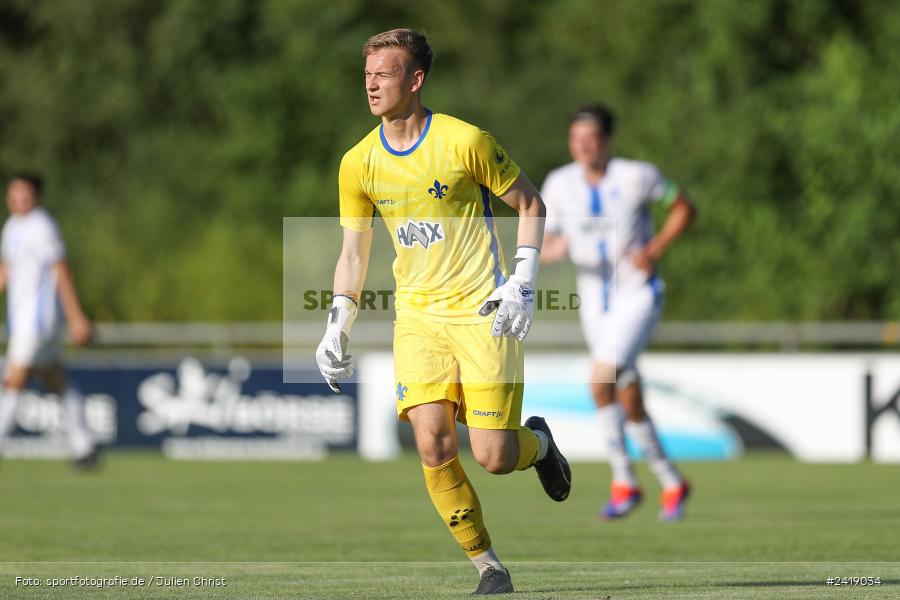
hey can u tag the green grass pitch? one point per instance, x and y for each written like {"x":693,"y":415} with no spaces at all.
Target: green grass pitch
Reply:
{"x":761,"y":527}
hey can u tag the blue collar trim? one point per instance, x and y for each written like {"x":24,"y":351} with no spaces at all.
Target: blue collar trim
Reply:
{"x":412,"y":149}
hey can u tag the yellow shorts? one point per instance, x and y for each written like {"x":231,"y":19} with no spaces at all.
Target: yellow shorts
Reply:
{"x":482,"y":374}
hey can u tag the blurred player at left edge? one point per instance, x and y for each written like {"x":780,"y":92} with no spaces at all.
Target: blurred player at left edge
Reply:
{"x":40,"y":289}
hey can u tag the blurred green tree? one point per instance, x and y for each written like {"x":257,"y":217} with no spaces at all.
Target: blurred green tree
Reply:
{"x":175,"y":135}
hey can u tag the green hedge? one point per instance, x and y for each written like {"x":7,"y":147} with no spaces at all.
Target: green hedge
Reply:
{"x":175,"y":135}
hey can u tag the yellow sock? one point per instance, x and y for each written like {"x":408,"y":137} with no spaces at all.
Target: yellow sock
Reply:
{"x":529,"y":446}
{"x":457,"y":504}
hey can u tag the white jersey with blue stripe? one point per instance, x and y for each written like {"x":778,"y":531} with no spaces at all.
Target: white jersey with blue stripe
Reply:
{"x":607,"y":222}
{"x":31,"y":246}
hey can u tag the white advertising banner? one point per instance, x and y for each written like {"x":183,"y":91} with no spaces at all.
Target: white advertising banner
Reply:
{"x":818,"y":407}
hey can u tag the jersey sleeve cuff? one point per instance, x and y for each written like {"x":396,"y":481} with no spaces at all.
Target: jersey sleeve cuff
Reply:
{"x":360,"y":224}
{"x":514,"y":172}
{"x":671,"y":192}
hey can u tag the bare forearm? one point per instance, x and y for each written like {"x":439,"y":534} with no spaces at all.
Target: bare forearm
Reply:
{"x":349,"y":275}
{"x":68,"y":296}
{"x":531,"y":224}
{"x":352,"y":264}
{"x":524,"y":198}
{"x":680,"y":217}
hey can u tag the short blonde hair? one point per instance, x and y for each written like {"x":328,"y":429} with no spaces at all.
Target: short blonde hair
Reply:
{"x":414,"y":42}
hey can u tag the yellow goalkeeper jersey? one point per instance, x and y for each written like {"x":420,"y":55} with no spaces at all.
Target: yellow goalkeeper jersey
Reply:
{"x":435,"y":200}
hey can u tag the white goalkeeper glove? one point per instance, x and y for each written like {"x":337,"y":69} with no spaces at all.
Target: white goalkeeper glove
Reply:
{"x":331,"y":355}
{"x":514,"y":300}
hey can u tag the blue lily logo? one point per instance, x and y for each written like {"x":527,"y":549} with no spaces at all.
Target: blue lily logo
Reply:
{"x":401,"y":391}
{"x":438,"y":190}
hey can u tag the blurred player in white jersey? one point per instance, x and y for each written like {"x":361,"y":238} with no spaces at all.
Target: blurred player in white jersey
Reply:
{"x":37,"y":280}
{"x":599,"y":213}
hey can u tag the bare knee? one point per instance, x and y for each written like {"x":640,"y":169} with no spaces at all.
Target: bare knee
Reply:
{"x":435,"y":432}
{"x":53,"y":378}
{"x":496,"y":451}
{"x":435,"y":451}
{"x":496,"y":463}
{"x":16,"y":378}
{"x":632,"y":402}
{"x":604,"y":393}
{"x":603,"y":384}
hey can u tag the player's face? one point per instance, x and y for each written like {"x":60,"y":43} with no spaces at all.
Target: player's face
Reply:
{"x":20,"y":197}
{"x":389,"y":87}
{"x":587,"y":143}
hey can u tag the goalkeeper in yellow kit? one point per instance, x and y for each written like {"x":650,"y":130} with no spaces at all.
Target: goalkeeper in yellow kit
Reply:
{"x":461,"y":317}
